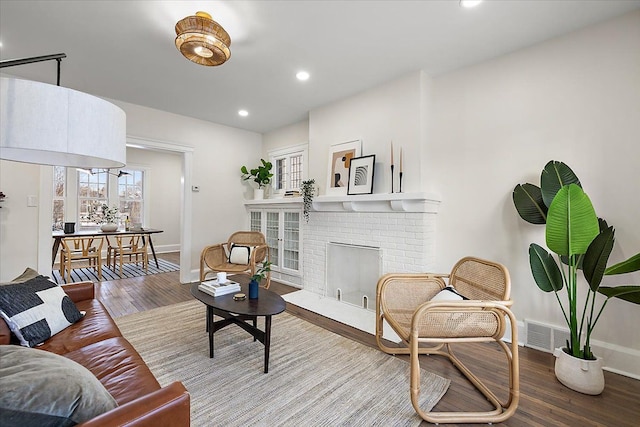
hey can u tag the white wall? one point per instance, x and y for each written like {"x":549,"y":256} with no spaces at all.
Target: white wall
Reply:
{"x":19,"y":226}
{"x":163,"y":178}
{"x":575,"y":99}
{"x":391,"y":112}
{"x":286,"y":136}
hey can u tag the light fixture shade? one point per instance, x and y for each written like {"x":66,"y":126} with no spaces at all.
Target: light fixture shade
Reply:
{"x":202,"y":40}
{"x":53,"y":125}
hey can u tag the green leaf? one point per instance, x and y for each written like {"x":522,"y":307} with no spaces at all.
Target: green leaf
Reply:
{"x":527,"y":199}
{"x":595,"y":260}
{"x":544,"y":269}
{"x":630,"y":293}
{"x":628,"y":266}
{"x":243,"y":169}
{"x":571,"y":222}
{"x":556,"y":175}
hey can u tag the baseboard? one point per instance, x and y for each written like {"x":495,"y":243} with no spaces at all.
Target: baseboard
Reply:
{"x":618,"y":359}
{"x":161,"y":249}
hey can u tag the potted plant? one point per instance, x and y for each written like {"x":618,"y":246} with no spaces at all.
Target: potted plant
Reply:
{"x":258,"y":277}
{"x":580,"y":241}
{"x":261,"y":175}
{"x":308,"y":191}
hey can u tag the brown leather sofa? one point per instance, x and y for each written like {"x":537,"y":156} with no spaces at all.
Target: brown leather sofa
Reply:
{"x":96,"y":343}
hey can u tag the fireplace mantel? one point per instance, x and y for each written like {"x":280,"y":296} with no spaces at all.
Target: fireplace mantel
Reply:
{"x":390,"y":202}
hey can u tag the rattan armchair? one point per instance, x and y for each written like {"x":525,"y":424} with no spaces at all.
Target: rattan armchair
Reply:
{"x":430,"y":327}
{"x":215,"y":258}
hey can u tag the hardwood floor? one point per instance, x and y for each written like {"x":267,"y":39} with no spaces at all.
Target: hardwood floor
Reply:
{"x":543,"y":400}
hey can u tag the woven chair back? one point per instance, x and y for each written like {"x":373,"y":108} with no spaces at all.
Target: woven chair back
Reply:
{"x":479,"y":279}
{"x":249,"y":238}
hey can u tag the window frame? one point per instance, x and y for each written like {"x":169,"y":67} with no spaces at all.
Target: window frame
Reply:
{"x":286,"y":154}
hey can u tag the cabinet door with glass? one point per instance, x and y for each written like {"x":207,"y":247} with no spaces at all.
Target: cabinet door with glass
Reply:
{"x":281,"y":228}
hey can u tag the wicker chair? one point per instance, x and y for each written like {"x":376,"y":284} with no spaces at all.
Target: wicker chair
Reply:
{"x":216,"y":258}
{"x":430,"y":327}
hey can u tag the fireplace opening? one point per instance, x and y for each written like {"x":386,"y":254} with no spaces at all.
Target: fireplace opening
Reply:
{"x":352,"y":273}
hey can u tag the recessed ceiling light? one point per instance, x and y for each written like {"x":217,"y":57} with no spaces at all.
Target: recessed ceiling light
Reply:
{"x":243,"y":113}
{"x":302,"y":75}
{"x":470,"y":3}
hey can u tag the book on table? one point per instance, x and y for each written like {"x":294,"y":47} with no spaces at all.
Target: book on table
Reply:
{"x":212,"y":287}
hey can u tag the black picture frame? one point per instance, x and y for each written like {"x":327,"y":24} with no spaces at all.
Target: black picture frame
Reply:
{"x":361,"y":173}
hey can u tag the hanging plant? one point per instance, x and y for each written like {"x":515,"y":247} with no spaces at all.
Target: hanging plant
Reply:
{"x":308,"y":190}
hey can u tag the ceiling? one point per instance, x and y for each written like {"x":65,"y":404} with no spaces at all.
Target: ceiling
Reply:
{"x":125,"y":50}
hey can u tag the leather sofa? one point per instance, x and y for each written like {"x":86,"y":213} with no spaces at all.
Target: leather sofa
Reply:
{"x":96,"y":343}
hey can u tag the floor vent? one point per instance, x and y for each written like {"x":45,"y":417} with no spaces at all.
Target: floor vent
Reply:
{"x":545,"y":337}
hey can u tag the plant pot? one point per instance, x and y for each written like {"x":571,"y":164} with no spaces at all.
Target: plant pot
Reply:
{"x":109,"y":226}
{"x":258,"y":194}
{"x":253,"y":289}
{"x":584,"y":376}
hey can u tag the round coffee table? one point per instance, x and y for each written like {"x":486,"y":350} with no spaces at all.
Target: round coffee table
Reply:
{"x":239,"y":312}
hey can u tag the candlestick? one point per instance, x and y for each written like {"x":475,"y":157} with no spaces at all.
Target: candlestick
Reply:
{"x":401,"y":161}
{"x":400,"y":182}
{"x":392,"y":178}
{"x":391,"y":153}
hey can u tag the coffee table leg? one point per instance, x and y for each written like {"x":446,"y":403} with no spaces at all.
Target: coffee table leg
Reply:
{"x":267,"y":342}
{"x":210,"y":330}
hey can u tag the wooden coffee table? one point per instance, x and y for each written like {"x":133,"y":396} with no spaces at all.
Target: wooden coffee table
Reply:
{"x":239,"y":312}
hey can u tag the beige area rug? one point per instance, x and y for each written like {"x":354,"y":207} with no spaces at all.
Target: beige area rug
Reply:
{"x":316,"y":377}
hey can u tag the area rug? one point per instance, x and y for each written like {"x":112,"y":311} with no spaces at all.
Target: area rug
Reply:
{"x":128,"y":271}
{"x":316,"y":377}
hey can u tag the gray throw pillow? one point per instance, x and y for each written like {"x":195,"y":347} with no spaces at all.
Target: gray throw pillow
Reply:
{"x":36,"y":310}
{"x":42,"y":388}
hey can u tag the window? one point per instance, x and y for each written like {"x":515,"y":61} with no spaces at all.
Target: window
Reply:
{"x":59,"y":194}
{"x":131,"y":195}
{"x":93,"y":191}
{"x":289,"y":168}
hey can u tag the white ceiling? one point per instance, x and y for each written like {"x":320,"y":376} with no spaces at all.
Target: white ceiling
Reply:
{"x":125,"y":50}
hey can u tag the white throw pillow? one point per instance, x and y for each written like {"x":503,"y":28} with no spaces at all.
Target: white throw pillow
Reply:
{"x":448,"y":294}
{"x":240,"y":254}
{"x":36,"y":310}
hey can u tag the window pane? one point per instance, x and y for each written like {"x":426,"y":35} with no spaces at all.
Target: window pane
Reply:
{"x":131,"y":195}
{"x":92,"y":193}
{"x":281,"y":171}
{"x":272,"y":235}
{"x":59,"y":192}
{"x":296,"y":171}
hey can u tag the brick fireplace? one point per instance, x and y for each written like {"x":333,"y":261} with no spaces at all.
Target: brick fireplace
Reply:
{"x":402,"y":226}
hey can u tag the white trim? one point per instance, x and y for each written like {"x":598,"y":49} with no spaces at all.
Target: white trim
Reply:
{"x":186,"y":208}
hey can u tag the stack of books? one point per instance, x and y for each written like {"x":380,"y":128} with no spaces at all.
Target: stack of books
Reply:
{"x":292,"y":193}
{"x":213,"y":288}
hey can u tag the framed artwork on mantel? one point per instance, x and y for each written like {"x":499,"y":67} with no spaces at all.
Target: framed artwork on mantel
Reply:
{"x":340,"y":156}
{"x":361,"y":175}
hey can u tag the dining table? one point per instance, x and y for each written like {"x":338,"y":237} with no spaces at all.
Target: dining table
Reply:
{"x":60,"y":234}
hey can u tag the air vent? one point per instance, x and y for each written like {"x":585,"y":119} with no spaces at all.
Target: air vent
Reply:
{"x":538,"y":336}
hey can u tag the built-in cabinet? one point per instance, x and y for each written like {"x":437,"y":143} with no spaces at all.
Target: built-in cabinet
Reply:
{"x":281,"y":225}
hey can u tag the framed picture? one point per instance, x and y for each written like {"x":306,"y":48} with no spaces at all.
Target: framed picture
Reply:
{"x":340,"y":156}
{"x":361,"y":175}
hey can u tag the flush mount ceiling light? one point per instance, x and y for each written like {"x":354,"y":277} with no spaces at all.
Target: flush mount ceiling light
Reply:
{"x":302,"y":76}
{"x":202,"y":40}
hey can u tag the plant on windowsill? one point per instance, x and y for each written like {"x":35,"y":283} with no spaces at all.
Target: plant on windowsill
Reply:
{"x":581,"y":241}
{"x":308,"y":191}
{"x":258,"y":276}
